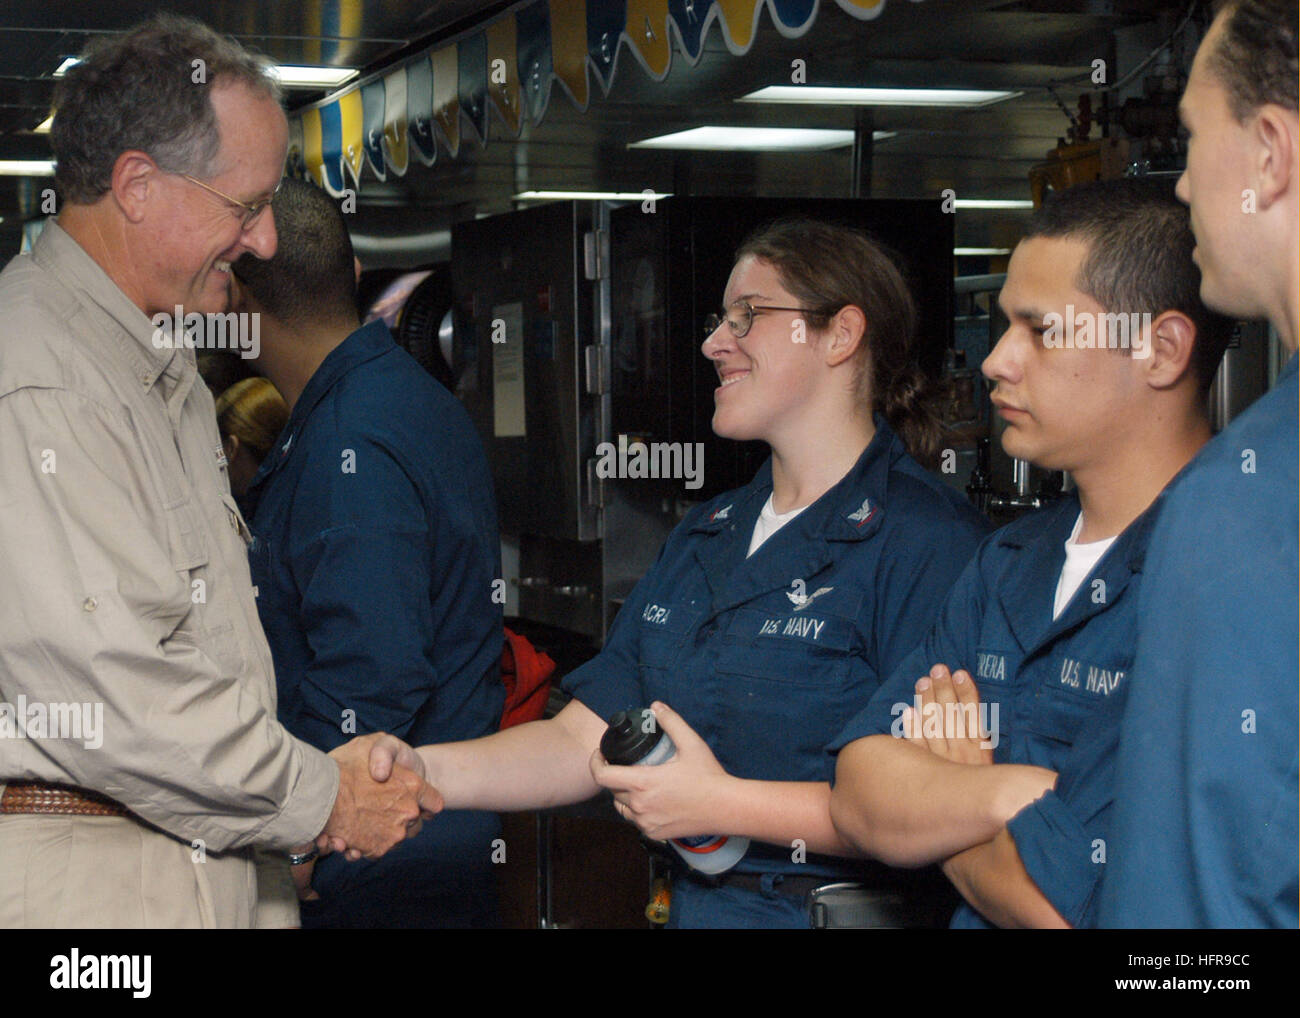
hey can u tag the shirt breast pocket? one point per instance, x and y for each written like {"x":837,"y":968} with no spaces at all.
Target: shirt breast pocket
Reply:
{"x":184,"y":608}
{"x":662,"y":631}
{"x":1057,"y":716}
{"x":665,"y":642}
{"x":185,"y":540}
{"x":1076,"y":695}
{"x":220,"y":644}
{"x":788,"y":683}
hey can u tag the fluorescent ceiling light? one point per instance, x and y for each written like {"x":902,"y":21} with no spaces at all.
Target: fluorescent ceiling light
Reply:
{"x":26,"y":167}
{"x":836,"y":95}
{"x":590,"y":195}
{"x":978,"y":252}
{"x":992,"y":203}
{"x":763,"y":139}
{"x":298,"y":76}
{"x":288,"y":75}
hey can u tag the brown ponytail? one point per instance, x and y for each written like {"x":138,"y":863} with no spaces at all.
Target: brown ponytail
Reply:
{"x":828,"y":267}
{"x":254,"y":412}
{"x":912,"y":405}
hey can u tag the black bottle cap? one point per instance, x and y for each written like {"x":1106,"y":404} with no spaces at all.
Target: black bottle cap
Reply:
{"x":630,"y":737}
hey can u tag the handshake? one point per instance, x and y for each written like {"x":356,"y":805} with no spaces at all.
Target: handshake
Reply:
{"x":382,"y":798}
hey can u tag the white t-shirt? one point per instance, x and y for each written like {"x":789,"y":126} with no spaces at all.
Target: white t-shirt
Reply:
{"x":1080,"y":560}
{"x":768,"y":523}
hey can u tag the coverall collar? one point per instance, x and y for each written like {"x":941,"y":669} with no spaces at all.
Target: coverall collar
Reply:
{"x":851,"y":510}
{"x":1028,"y":604}
{"x":366,"y":343}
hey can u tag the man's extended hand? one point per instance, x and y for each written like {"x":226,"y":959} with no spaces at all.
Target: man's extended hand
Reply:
{"x":370,"y":816}
{"x":387,"y":751}
{"x":949,"y":724}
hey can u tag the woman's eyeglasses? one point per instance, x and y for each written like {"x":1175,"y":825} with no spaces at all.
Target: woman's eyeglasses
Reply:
{"x":740,"y":317}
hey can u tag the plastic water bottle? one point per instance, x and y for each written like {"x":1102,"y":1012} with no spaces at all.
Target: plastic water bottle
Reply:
{"x":634,"y":738}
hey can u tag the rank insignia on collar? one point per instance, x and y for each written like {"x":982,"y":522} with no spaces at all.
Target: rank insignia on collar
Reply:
{"x":863,"y":513}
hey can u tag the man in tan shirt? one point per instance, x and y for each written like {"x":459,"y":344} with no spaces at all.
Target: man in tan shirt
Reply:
{"x":140,"y":756}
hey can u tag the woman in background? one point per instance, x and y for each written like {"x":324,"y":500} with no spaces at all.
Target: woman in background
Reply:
{"x":250,"y":416}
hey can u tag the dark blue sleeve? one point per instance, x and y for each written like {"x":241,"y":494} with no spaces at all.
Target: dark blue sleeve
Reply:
{"x":1063,"y":837}
{"x":951,"y":641}
{"x":1205,"y":825}
{"x":365,"y":609}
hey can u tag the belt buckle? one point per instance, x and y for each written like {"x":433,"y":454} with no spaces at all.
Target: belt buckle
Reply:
{"x":853,"y":906}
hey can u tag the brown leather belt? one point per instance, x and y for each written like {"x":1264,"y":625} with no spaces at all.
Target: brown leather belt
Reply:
{"x":65,"y":800}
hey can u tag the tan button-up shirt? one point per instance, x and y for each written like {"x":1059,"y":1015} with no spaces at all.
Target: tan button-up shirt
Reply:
{"x":124,"y":583}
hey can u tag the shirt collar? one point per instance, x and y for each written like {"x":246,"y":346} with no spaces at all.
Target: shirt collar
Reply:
{"x":57,"y":252}
{"x":364,"y":344}
{"x":857,"y":504}
{"x":850,"y":511}
{"x":1047,"y":541}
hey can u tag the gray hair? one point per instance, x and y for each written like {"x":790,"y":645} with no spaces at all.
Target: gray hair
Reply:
{"x":146,"y":90}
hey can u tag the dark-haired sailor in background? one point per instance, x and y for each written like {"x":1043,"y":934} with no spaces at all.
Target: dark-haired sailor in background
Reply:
{"x":375,"y":550}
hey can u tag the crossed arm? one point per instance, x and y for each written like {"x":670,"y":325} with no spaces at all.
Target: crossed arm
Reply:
{"x":935,"y":795}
